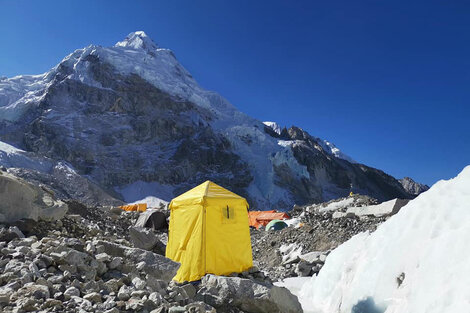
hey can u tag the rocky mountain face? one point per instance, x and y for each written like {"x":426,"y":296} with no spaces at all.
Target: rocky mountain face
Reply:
{"x":412,"y":187}
{"x":129,"y":121}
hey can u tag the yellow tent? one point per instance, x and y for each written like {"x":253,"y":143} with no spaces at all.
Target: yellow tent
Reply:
{"x":209,"y":233}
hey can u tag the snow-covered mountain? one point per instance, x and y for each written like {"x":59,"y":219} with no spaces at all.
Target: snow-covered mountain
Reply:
{"x":327,"y":146}
{"x":415,"y":262}
{"x":133,"y":121}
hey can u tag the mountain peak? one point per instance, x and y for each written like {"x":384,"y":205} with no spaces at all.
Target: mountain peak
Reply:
{"x":138,"y":40}
{"x":412,"y":186}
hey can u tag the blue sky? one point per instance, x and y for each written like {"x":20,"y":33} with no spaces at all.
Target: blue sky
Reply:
{"x":387,"y":81}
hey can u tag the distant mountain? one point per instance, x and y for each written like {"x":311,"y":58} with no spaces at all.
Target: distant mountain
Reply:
{"x":413,"y":187}
{"x":131,"y":121}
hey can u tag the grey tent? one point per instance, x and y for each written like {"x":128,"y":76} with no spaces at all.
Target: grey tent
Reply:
{"x":152,"y":218}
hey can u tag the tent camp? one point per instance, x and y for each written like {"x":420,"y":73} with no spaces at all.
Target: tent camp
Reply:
{"x":262,"y":218}
{"x":209,"y":233}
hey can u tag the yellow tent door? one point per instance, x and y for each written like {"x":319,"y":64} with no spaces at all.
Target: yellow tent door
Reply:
{"x":209,"y":233}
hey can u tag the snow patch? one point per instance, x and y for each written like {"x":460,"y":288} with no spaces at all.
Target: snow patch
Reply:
{"x":9,"y":149}
{"x":331,"y":149}
{"x":384,"y":208}
{"x":19,"y":93}
{"x":294,"y":222}
{"x":290,"y":252}
{"x":12,"y":157}
{"x":344,"y":203}
{"x":274,"y":126}
{"x":294,"y":284}
{"x":66,"y":168}
{"x":152,"y":202}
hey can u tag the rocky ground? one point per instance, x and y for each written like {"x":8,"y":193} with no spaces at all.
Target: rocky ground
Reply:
{"x":94,"y":259}
{"x":89,"y":262}
{"x":302,"y":249}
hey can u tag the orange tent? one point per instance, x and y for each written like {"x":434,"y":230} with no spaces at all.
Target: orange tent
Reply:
{"x":258,"y":218}
{"x":141,"y":207}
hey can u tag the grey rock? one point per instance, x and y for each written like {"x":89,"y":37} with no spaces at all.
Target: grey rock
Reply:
{"x":8,"y":234}
{"x":73,"y":243}
{"x":84,"y":304}
{"x":17,"y":231}
{"x":177,"y":309}
{"x":303,"y":268}
{"x":124,"y":293}
{"x":21,"y":199}
{"x":74,"y":257}
{"x":59,"y":296}
{"x":99,"y":267}
{"x":247,"y":295}
{"x":138,"y":283}
{"x":139,"y":294}
{"x":94,"y":297}
{"x":5,"y":294}
{"x":115,"y":263}
{"x":27,"y":304}
{"x":134,"y":304}
{"x":314,"y":257}
{"x":199,"y":307}
{"x":155,"y":284}
{"x":143,"y":238}
{"x":91,"y":287}
{"x":153,"y":264}
{"x":90,"y":248}
{"x":32,"y":290}
{"x":112,"y":285}
{"x":156,"y":298}
{"x":51,"y":303}
{"x":71,"y":292}
{"x":103,"y":257}
{"x":189,"y":290}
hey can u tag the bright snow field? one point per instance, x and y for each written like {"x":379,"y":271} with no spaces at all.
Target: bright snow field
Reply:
{"x":416,"y":262}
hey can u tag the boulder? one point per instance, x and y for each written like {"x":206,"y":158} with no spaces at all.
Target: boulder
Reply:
{"x":199,"y":307}
{"x":5,"y":294}
{"x":155,"y":265}
{"x":74,"y":257}
{"x":31,"y":290}
{"x":8,"y":234}
{"x":71,"y":292}
{"x":94,"y":297}
{"x":22,"y":200}
{"x":246,"y":295}
{"x":303,"y":268}
{"x":115,"y":263}
{"x":142,"y":238}
{"x":314,"y":257}
{"x":138,"y":283}
{"x":124,"y":293}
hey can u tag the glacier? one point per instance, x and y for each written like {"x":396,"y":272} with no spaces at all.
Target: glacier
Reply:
{"x":415,"y":262}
